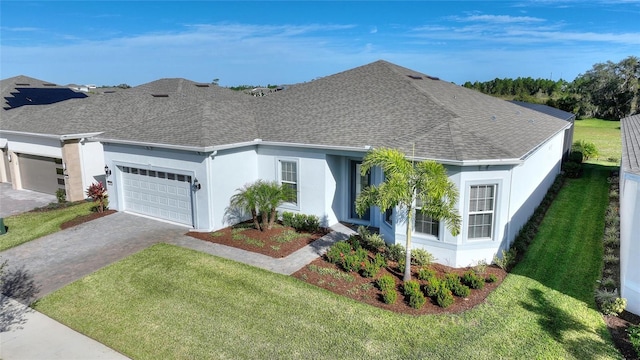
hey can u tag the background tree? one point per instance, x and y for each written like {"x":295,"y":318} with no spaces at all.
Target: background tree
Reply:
{"x":405,"y":182}
{"x":608,"y":90}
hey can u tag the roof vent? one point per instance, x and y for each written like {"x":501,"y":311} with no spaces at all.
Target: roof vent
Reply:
{"x":160,"y":95}
{"x":202,"y":85}
{"x":49,"y":84}
{"x":493,"y":117}
{"x":109,"y":91}
{"x":415,"y":77}
{"x":23,"y":84}
{"x":432,"y":77}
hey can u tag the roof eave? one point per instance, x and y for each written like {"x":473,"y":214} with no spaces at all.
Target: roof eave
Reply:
{"x":63,"y":137}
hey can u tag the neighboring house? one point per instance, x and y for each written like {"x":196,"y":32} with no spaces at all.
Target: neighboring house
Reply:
{"x":630,"y":213}
{"x":35,"y":154}
{"x":178,"y":150}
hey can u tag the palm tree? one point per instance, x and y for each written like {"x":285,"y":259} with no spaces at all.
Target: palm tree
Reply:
{"x":405,"y":182}
{"x":246,"y":199}
{"x":261,"y":199}
{"x":269,"y":196}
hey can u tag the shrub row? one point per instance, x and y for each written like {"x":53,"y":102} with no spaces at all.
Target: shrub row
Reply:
{"x":351,"y":256}
{"x":301,"y":222}
{"x":607,"y":294}
{"x":387,"y":285}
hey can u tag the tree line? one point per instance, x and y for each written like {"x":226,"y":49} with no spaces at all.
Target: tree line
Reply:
{"x":607,"y":91}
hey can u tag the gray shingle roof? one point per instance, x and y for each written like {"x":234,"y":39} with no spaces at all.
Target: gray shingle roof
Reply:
{"x":630,"y":127}
{"x":379,"y":104}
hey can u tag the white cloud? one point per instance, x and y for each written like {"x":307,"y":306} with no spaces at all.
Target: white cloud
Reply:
{"x":497,"y":19}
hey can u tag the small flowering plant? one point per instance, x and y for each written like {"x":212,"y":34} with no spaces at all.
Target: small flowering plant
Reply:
{"x":98,"y":193}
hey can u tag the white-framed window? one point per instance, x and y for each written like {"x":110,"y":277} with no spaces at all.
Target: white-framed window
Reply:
{"x":289,"y":178}
{"x":424,"y":223}
{"x":482,"y":201}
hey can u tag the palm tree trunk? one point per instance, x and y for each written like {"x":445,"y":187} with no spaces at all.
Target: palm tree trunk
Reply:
{"x":407,"y":264}
{"x":272,"y":219}
{"x":254,"y":216}
{"x":265,"y":220}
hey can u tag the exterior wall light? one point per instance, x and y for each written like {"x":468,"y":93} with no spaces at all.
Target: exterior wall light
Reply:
{"x":107,"y":171}
{"x":196,"y":185}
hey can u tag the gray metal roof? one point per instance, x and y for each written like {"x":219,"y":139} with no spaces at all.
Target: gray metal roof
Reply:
{"x":379,"y":104}
{"x":560,"y":114}
{"x":630,"y":127}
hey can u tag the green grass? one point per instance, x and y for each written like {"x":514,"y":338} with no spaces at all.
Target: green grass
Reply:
{"x":604,"y":134}
{"x":32,"y":225}
{"x":169,"y":302}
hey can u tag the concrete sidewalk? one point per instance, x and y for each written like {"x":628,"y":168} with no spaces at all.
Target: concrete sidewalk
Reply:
{"x":37,"y":336}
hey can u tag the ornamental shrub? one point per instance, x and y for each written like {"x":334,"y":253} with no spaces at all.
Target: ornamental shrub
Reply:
{"x":634,"y":337}
{"x":460,"y":290}
{"x":472,"y":280}
{"x":444,"y":297}
{"x":337,"y":251}
{"x":426,"y":273}
{"x":98,"y":193}
{"x":491,"y":278}
{"x":411,"y":287}
{"x":380,"y":261}
{"x":506,"y":260}
{"x":450,"y":280}
{"x":369,"y":268}
{"x":395,"y":252}
{"x":572,"y":169}
{"x":301,"y":222}
{"x":351,"y":262}
{"x":432,"y":287}
{"x":390,"y":296}
{"x":386,"y":283}
{"x":576,"y":157}
{"x":372,"y":241}
{"x":614,"y":307}
{"x":421,"y":257}
{"x":417,"y":300}
{"x":588,"y":149}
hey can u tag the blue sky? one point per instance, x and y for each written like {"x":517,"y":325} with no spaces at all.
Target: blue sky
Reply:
{"x":277,"y":42}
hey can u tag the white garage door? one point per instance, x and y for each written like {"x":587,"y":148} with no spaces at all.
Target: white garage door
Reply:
{"x":158,"y":194}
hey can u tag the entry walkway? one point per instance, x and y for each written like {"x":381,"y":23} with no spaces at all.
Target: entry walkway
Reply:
{"x":58,"y":259}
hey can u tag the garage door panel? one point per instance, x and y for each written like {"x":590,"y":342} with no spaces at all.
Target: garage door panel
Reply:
{"x":42,"y":174}
{"x":158,"y":194}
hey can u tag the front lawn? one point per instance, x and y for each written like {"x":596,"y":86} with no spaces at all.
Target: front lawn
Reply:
{"x":169,"y":302}
{"x":32,"y":225}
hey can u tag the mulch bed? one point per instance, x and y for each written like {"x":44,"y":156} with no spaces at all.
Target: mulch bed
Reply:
{"x":270,"y":247}
{"x":84,"y":218}
{"x":618,"y":328}
{"x":364,"y":289}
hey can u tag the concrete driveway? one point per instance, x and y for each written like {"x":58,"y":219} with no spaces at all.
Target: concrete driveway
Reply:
{"x":56,"y":260}
{"x":18,"y":201}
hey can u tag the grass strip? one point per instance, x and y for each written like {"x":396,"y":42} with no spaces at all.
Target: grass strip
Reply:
{"x":32,"y":225}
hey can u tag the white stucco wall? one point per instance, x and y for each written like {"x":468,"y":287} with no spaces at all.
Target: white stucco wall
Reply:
{"x":520,"y":190}
{"x":312,"y":177}
{"x":531,"y":180}
{"x":92,"y":158}
{"x":158,"y":159}
{"x":630,"y":240}
{"x":229,"y":170}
